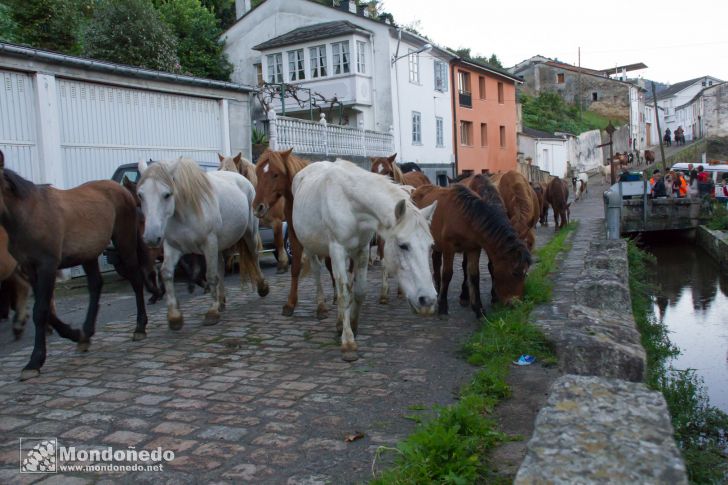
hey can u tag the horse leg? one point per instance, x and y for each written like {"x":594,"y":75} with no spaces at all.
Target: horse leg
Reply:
{"x":171,"y":257}
{"x":297,"y":250}
{"x":221,"y":281}
{"x":327,"y":262}
{"x":339,"y":261}
{"x":95,"y":283}
{"x":493,"y":294}
{"x":322,"y":310}
{"x":465,"y":290}
{"x":384,"y":294}
{"x":280,"y":244}
{"x":447,"y":263}
{"x":359,"y":289}
{"x":212,"y":256}
{"x":473,"y":277}
{"x":248,"y":249}
{"x":20,"y":304}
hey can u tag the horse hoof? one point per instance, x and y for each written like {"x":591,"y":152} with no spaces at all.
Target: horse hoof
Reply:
{"x":322,"y":312}
{"x":383,"y":300}
{"x":83,"y":346}
{"x":442,"y":310}
{"x":26,"y":374}
{"x":282,"y":269}
{"x":349,"y":355}
{"x":211,"y":319}
{"x":263,"y":289}
{"x":339,"y":328}
{"x":222,"y":306}
{"x":287,"y":311}
{"x":175,"y":323}
{"x":17,"y":333}
{"x":138,"y":336}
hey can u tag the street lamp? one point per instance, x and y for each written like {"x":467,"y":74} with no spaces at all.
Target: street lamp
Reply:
{"x":424,"y":48}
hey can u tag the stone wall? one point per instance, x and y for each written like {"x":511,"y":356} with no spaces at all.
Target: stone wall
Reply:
{"x":601,"y":424}
{"x":714,"y":243}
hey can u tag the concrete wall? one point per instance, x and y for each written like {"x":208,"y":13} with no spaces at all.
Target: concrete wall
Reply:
{"x":714,"y":243}
{"x":583,"y":154}
{"x":716,"y":111}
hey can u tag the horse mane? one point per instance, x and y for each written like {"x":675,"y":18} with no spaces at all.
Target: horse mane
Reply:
{"x":397,"y":174}
{"x":19,"y":186}
{"x":521,"y":202}
{"x":460,"y":177}
{"x":291,"y":165}
{"x":487,"y":215}
{"x":190,"y":184}
{"x":409,"y":167}
{"x":246,"y":168}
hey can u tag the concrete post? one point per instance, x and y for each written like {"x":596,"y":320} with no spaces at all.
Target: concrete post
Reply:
{"x":272,"y":130}
{"x":324,"y":133}
{"x":224,"y":127}
{"x":363,"y":138}
{"x":49,"y":130}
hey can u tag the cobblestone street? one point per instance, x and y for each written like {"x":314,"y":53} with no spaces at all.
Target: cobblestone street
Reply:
{"x":258,"y":398}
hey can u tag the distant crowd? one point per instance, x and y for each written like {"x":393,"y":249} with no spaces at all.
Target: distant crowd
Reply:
{"x":693,"y":182}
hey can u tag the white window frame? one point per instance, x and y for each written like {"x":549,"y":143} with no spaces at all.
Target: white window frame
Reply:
{"x":441,"y":75}
{"x":318,"y":63}
{"x":439,"y":131}
{"x":361,"y":57}
{"x":413,"y":60}
{"x":296,"y":65}
{"x":275,"y":67}
{"x":340,"y":58}
{"x":416,"y":128}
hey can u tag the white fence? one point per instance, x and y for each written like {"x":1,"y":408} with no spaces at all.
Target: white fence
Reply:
{"x":321,"y":138}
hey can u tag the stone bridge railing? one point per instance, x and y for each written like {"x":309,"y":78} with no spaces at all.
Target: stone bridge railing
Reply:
{"x":601,"y":424}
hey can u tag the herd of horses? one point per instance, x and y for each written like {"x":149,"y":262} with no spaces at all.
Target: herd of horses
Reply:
{"x":334,"y":211}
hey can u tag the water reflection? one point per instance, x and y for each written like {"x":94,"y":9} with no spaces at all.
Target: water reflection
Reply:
{"x":692,"y":302}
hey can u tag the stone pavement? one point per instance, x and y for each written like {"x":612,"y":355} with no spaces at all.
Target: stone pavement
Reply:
{"x":258,"y":398}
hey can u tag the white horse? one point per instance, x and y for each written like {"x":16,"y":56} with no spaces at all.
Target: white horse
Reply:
{"x":191,"y":211}
{"x":582,"y":187}
{"x":337,"y":209}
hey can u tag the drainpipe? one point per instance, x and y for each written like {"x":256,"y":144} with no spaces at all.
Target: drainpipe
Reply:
{"x":454,"y":115}
{"x":396,"y":87}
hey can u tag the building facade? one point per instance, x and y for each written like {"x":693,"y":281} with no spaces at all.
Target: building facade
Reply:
{"x":484,"y":114}
{"x":678,"y":95}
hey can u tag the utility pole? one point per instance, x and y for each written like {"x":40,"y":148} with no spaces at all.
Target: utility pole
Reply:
{"x":610,"y":131}
{"x":659,"y":130}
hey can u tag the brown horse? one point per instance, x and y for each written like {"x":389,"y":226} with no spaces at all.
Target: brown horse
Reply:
{"x":466,"y":222}
{"x":274,"y":218}
{"x":539,"y":188}
{"x":521,"y":204}
{"x":50,"y":229}
{"x":387,"y":166}
{"x":14,"y":288}
{"x":649,"y":157}
{"x":557,"y":196}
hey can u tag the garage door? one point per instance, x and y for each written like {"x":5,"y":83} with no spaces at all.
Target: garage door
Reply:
{"x":18,"y":124}
{"x":103,"y":126}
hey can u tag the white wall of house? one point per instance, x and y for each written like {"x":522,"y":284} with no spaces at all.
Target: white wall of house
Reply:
{"x":67,"y":125}
{"x":550,"y":155}
{"x":672,"y":103}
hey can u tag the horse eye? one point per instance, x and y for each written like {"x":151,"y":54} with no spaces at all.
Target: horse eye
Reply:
{"x":404,"y":247}
{"x":167,"y":195}
{"x":275,"y":175}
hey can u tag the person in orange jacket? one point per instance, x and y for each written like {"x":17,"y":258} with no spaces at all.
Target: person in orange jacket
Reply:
{"x":683,"y":185}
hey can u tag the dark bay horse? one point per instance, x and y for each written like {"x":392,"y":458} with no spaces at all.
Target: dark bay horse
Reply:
{"x":468,"y":222}
{"x":14,"y":288}
{"x":557,"y":196}
{"x":539,"y":188}
{"x":406,"y":174}
{"x":50,"y":229}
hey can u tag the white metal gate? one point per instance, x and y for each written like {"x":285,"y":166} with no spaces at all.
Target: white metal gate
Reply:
{"x":18,"y":124}
{"x":103,"y":126}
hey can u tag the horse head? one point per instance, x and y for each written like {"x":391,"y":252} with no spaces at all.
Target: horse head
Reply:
{"x":509,"y":272}
{"x":407,"y":249}
{"x":239,"y":164}
{"x":386,"y":166}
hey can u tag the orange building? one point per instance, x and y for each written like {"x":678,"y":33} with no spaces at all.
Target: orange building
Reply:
{"x":484,"y":118}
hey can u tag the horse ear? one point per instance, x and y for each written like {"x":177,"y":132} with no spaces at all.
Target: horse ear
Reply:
{"x":127,"y":183}
{"x":429,"y":211}
{"x":392,"y":158}
{"x":220,"y":157}
{"x":238,"y":157}
{"x":399,"y":210}
{"x":287,"y":153}
{"x":142,"y":166}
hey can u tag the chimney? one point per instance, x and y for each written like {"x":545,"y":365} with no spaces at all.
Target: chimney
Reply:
{"x":241,"y":8}
{"x":352,"y":6}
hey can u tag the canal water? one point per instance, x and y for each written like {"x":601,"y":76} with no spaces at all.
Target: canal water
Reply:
{"x":692,"y":301}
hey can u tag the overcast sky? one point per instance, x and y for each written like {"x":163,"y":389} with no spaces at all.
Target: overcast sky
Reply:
{"x":676,"y":40}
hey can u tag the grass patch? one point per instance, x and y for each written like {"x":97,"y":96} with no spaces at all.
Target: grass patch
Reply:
{"x":700,"y":429}
{"x":719,"y":218}
{"x":451,"y":448}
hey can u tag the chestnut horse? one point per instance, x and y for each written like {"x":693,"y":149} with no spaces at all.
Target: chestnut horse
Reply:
{"x":466,"y":222}
{"x":275,"y":216}
{"x":387,"y":166}
{"x":521,"y":204}
{"x":51,"y":229}
{"x":539,"y":188}
{"x":14,"y":288}
{"x":557,"y":196}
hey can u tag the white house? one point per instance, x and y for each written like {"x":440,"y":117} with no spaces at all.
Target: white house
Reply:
{"x":678,"y":95}
{"x":705,"y":114}
{"x":386,"y":80}
{"x":548,"y":151}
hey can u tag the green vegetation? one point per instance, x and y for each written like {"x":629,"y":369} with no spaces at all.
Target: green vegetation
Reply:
{"x":465,"y":53}
{"x":719,"y":218}
{"x":451,"y":448}
{"x":549,"y":112}
{"x":700,"y":430}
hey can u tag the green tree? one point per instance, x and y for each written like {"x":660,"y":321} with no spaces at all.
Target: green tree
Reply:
{"x":494,"y":61}
{"x":130,"y":32}
{"x":8,"y":27}
{"x":199,"y":50}
{"x":48,"y":24}
{"x":224,"y":10}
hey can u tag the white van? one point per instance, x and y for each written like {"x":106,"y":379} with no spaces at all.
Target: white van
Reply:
{"x":717,"y":172}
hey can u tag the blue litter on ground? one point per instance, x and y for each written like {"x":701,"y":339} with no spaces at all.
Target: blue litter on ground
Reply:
{"x":525,"y":359}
